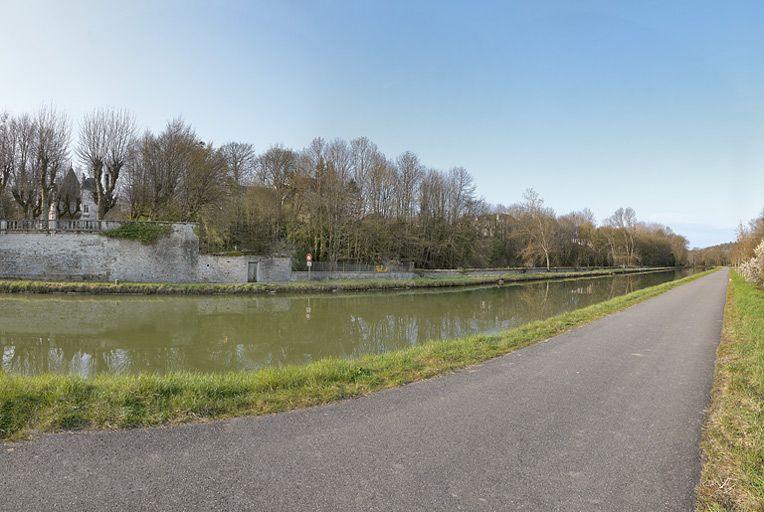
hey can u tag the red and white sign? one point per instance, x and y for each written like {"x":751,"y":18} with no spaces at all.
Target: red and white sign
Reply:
{"x":309,"y":259}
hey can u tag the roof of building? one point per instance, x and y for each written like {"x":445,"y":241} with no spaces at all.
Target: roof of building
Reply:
{"x":70,"y":187}
{"x":88,"y":184}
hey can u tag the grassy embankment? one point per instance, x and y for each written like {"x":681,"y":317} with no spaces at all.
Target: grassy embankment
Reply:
{"x":145,"y":232}
{"x":55,"y":402}
{"x":733,"y":440}
{"x":29,"y":286}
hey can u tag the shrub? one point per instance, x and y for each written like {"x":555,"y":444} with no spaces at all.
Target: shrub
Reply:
{"x":753,"y":269}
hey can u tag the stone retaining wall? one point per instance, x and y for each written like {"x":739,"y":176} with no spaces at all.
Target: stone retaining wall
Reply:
{"x":94,"y":257}
{"x":325,"y":275}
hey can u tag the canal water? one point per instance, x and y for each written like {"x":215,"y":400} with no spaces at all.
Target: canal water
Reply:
{"x":88,"y":335}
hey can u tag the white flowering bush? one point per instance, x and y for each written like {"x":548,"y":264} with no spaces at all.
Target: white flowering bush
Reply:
{"x":753,"y":269}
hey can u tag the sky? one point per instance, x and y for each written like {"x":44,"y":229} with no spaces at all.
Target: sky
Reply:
{"x":652,"y":104}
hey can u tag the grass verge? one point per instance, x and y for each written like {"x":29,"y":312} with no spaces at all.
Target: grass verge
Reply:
{"x":732,"y":478}
{"x":29,"y":286}
{"x":56,"y":402}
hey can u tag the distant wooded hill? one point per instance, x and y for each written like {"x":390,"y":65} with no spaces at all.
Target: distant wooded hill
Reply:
{"x":712,"y":256}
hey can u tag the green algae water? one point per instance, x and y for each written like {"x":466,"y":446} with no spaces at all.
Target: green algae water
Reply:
{"x":95,"y":334}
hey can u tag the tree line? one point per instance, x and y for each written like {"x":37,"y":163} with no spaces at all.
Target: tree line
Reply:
{"x":749,"y":236}
{"x":340,"y":200}
{"x":712,"y":256}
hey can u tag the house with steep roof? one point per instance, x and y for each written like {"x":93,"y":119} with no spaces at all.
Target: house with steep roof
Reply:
{"x":74,"y":199}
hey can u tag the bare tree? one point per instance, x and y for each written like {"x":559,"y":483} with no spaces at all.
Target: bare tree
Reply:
{"x":174,"y":175}
{"x":410,"y":173}
{"x":461,"y":194}
{"x":433,"y":213}
{"x":276,"y":168}
{"x":624,"y":224}
{"x":203,"y":181}
{"x":37,"y":152}
{"x":136,"y":184}
{"x":575,"y":238}
{"x":107,"y":141}
{"x":240,"y":158}
{"x":6,"y":156}
{"x":382,"y":186}
{"x":166,"y":158}
{"x":21,"y":145}
{"x":537,"y":222}
{"x":52,"y":152}
{"x":364,"y":154}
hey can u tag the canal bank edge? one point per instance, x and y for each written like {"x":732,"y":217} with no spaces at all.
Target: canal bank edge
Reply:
{"x":50,"y":403}
{"x":300,"y":287}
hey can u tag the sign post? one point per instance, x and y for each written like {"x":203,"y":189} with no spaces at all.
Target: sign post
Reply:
{"x":309,"y":263}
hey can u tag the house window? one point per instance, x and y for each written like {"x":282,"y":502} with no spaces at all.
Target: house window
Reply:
{"x":86,"y":208}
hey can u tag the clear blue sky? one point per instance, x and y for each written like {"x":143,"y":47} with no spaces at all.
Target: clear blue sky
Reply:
{"x":651,"y":104}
